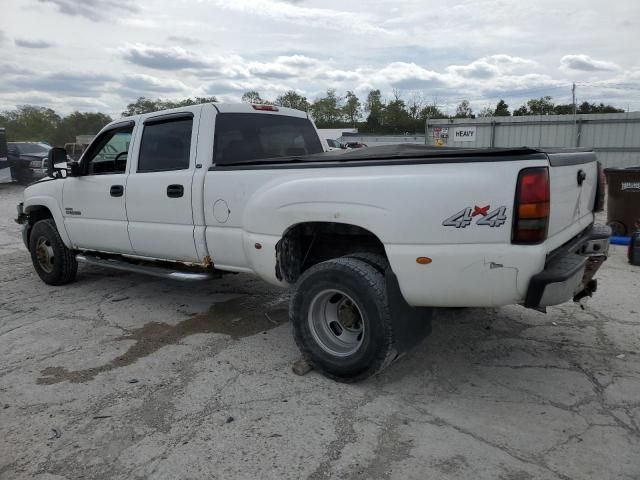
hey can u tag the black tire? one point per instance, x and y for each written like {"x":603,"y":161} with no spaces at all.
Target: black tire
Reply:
{"x":355,"y":283}
{"x":55,"y":264}
{"x":375,"y":260}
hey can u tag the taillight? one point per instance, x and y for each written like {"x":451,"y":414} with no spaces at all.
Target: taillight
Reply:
{"x":598,"y":205}
{"x":269,"y":108}
{"x":532,"y":206}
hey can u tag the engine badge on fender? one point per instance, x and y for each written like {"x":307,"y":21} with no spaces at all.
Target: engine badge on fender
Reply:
{"x":464,"y":218}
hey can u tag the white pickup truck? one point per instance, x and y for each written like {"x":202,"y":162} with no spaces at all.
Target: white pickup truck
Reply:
{"x":363,"y":236}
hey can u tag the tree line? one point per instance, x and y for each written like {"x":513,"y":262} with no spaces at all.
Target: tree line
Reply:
{"x":373,"y":114}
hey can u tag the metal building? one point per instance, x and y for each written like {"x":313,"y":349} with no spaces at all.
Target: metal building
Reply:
{"x":614,"y":136}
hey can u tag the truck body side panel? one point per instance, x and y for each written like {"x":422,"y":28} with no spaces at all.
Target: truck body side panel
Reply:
{"x":404,"y":206}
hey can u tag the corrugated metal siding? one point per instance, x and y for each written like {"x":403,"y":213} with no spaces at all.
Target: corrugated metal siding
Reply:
{"x":614,"y":136}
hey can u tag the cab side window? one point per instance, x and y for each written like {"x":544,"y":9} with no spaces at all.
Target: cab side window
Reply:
{"x":165,"y":145}
{"x":109,"y":154}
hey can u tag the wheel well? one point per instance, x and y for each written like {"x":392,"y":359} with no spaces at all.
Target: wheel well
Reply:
{"x":36,"y":213}
{"x":306,"y":244}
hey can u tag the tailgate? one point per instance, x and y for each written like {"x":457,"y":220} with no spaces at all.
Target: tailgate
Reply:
{"x":574,"y":181}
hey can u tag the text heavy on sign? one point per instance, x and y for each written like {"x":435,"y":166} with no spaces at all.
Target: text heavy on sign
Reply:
{"x":464,"y":134}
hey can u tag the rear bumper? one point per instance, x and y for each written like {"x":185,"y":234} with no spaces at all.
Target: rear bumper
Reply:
{"x":569,"y":271}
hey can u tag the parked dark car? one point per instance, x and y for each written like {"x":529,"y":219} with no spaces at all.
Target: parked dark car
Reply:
{"x":28,"y":160}
{"x":5,"y":170}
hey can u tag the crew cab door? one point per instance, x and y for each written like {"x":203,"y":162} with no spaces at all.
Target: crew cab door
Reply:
{"x":93,"y":204}
{"x":159,"y":188}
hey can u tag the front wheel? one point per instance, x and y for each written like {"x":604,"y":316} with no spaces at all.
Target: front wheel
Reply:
{"x":54,"y":263}
{"x":341,"y":319}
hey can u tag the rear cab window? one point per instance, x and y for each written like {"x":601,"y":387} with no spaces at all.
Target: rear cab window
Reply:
{"x":243,"y":137}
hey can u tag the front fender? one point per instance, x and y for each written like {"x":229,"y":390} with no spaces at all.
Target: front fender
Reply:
{"x":31,"y":203}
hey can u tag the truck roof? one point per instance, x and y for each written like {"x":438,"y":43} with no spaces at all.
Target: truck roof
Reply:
{"x":221,"y":108}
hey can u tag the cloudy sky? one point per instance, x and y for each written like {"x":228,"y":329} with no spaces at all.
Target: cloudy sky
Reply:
{"x":99,"y":55}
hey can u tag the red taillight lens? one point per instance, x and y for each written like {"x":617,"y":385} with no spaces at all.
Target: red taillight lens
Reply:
{"x":532,"y":206}
{"x":269,"y":108}
{"x":598,"y":206}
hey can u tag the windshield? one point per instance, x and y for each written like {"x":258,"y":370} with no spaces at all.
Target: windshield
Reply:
{"x":33,"y":147}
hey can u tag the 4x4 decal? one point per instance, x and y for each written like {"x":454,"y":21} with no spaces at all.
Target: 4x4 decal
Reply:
{"x":463,"y":218}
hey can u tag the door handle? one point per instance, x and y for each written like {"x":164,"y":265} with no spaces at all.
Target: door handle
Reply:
{"x":175,"y":191}
{"x":116,"y":190}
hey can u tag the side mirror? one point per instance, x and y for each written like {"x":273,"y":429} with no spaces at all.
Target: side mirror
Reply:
{"x":56,"y":155}
{"x":73,"y":169}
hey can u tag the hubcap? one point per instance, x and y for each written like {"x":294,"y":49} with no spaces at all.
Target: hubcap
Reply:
{"x":336,"y":323}
{"x":44,"y":254}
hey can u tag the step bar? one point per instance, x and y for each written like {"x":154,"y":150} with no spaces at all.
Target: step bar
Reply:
{"x":149,"y":269}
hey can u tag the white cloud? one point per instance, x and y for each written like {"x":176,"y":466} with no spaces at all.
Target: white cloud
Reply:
{"x":585,"y":63}
{"x":356,"y":22}
{"x":36,"y":44}
{"x":162,"y":58}
{"x":478,"y":49}
{"x":96,"y":10}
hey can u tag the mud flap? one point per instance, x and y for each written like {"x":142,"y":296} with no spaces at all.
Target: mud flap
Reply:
{"x":410,"y":325}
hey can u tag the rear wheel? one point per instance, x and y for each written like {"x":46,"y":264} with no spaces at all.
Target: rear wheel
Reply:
{"x":54,"y":263}
{"x":341,"y":319}
{"x":375,"y":260}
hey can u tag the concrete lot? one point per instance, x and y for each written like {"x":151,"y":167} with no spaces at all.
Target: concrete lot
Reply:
{"x":125,"y":376}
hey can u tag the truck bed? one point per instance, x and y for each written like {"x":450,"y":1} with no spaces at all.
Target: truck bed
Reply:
{"x":407,"y":153}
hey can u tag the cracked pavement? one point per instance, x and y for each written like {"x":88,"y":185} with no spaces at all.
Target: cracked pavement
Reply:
{"x":124,"y":376}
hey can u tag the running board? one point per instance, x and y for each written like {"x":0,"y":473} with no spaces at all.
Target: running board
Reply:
{"x":153,"y":270}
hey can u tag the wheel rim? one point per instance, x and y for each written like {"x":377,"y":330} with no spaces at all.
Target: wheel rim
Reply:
{"x":336,"y":323}
{"x":44,"y":254}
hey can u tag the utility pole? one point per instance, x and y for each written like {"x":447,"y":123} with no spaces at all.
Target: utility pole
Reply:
{"x":575,"y":121}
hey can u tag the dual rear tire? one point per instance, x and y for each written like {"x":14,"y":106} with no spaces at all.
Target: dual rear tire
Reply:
{"x":342,"y":319}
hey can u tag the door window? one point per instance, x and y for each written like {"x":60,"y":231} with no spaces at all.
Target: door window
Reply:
{"x":166,"y":145}
{"x":108,"y":155}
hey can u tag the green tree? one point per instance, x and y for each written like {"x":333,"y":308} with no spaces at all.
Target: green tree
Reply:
{"x":252,"y":96}
{"x":521,"y":111}
{"x":147,"y":105}
{"x":586,"y":107}
{"x":564,"y":109}
{"x":351,"y":108}
{"x":374,"y":107}
{"x":142,"y":105}
{"x":431,"y":111}
{"x":486,"y":112}
{"x":292,"y":99}
{"x":79,"y":123}
{"x":463,"y":110}
{"x":326,"y":111}
{"x":540,"y":106}
{"x":396,"y":116}
{"x":502,"y":109}
{"x":30,"y":123}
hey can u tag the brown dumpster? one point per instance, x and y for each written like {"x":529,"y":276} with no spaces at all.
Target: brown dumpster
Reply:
{"x":623,"y":199}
